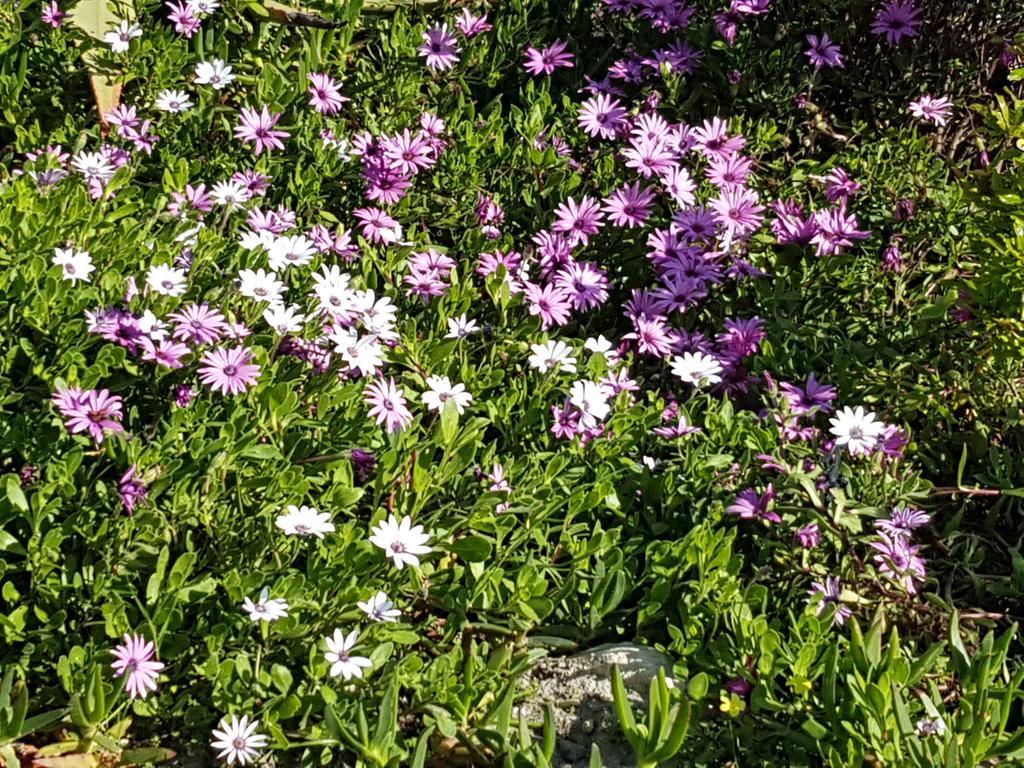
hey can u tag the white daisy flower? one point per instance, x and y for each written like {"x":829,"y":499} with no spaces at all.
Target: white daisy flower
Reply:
{"x":402,"y":542}
{"x":697,"y":368}
{"x":460,"y":327}
{"x":172,"y":101}
{"x":592,"y":400}
{"x":238,"y":740}
{"x":551,"y":355}
{"x":856,"y":429}
{"x":93,"y":165}
{"x":260,"y":285}
{"x":75,"y":265}
{"x":166,"y":280}
{"x":230,"y":193}
{"x":339,"y":654}
{"x":379,"y":608}
{"x":284,"y":319}
{"x":290,"y":251}
{"x":265,"y":608}
{"x":120,"y":39}
{"x":441,"y":391}
{"x":215,"y":74}
{"x":305,"y":521}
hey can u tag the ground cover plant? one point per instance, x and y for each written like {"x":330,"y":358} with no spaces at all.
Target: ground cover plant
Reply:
{"x":358,"y":355}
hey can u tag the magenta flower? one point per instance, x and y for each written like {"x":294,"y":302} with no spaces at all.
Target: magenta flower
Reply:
{"x":737,"y":211}
{"x":836,"y":231}
{"x":166,"y":353}
{"x":387,"y":405}
{"x":809,"y":536}
{"x":550,"y":303}
{"x":931,"y":109}
{"x":131,"y":489}
{"x":584,"y":283}
{"x":134,"y":659}
{"x":896,"y":19}
{"x":440,"y":48}
{"x":578,"y":221}
{"x":791,"y":226}
{"x":898,"y":560}
{"x":184,"y":17}
{"x":750,"y":505}
{"x":198,"y":324}
{"x":92,"y":411}
{"x":903,"y":521}
{"x":829,"y":593}
{"x":324,"y":93}
{"x":408,"y":153}
{"x":258,"y":128}
{"x":471,"y":25}
{"x":713,"y":138}
{"x":839,"y":185}
{"x":377,"y":226}
{"x":892,"y":257}
{"x":229,"y":371}
{"x":649,"y":156}
{"x":812,"y":397}
{"x":53,"y":15}
{"x":652,"y":336}
{"x":730,"y":171}
{"x":630,"y":205}
{"x":823,"y":52}
{"x":601,"y":115}
{"x":546,"y":60}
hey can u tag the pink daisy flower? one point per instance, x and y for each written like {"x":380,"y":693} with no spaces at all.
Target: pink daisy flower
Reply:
{"x":324,"y":93}
{"x":258,"y":128}
{"x":601,"y":115}
{"x":229,"y":371}
{"x":53,"y":15}
{"x":387,"y":405}
{"x":630,"y":205}
{"x":440,"y":48}
{"x":823,"y":52}
{"x":134,"y":660}
{"x":932,"y":110}
{"x":578,"y":221}
{"x":546,"y":60}
{"x":95,"y":412}
{"x":897,"y":19}
{"x":737,"y":211}
{"x":550,"y":303}
{"x":198,"y":324}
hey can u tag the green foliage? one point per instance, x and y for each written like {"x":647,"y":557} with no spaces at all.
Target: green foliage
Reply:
{"x":625,"y":538}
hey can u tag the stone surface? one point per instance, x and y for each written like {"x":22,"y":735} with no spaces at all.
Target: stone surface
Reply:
{"x":580,"y":690}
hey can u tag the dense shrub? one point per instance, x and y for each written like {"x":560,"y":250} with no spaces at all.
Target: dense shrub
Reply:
{"x":729,"y":367}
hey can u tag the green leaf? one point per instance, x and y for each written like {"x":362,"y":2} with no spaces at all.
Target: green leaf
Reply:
{"x":449,"y":423}
{"x":961,"y":659}
{"x":472,"y":549}
{"x":698,"y":686}
{"x":146,"y":756}
{"x":15,"y":494}
{"x":623,"y":709}
{"x":814,"y":729}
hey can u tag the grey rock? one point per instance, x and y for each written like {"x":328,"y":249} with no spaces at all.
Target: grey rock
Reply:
{"x":580,"y":691}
